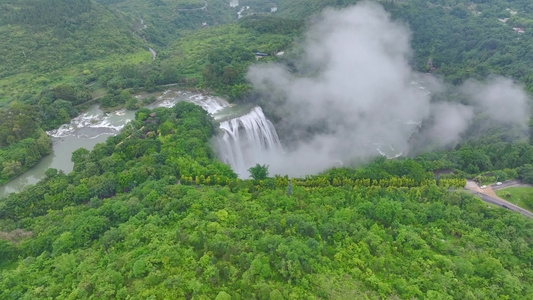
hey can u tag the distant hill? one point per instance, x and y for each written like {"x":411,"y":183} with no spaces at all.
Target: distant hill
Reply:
{"x":42,"y":36}
{"x":457,"y":39}
{"x":164,"y":20}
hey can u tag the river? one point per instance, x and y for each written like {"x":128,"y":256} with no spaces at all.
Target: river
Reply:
{"x":93,"y":127}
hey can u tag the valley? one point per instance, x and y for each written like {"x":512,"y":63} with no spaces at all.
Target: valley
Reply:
{"x":282,"y":149}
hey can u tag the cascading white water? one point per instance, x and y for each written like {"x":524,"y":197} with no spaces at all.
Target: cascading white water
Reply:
{"x":247,"y":140}
{"x":94,"y":126}
{"x":210,"y":104}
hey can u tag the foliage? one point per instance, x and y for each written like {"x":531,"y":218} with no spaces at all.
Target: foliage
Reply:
{"x":465,"y":39}
{"x":525,"y":173}
{"x":43,"y":36}
{"x":483,"y":155}
{"x":165,"y":143}
{"x":220,"y":56}
{"x":259,"y":172}
{"x":22,"y":142}
{"x":122,"y":225}
{"x":462,"y":39}
{"x":167,"y":20}
{"x":152,"y":214}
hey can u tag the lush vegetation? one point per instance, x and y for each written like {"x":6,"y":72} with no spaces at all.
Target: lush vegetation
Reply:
{"x":458,"y":39}
{"x":483,"y":156}
{"x":216,"y":58}
{"x":220,"y":56}
{"x":42,"y":37}
{"x":20,"y":156}
{"x":22,"y":142}
{"x":466,"y":39}
{"x":151,"y":213}
{"x":164,"y":21}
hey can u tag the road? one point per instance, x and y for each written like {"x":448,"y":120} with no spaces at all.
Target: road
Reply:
{"x":192,"y":9}
{"x":509,"y":183}
{"x":503,"y":204}
{"x":487,"y":194}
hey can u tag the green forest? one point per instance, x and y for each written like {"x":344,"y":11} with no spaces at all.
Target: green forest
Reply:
{"x":152,"y":214}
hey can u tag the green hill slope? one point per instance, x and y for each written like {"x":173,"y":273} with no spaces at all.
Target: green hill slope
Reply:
{"x":121,"y":225}
{"x":462,"y":39}
{"x":164,"y":20}
{"x":42,"y":37}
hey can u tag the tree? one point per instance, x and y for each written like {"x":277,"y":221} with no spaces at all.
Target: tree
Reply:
{"x":387,"y":211}
{"x":7,"y":251}
{"x":500,"y":175}
{"x":259,"y":172}
{"x":80,"y":155}
{"x":132,"y":104}
{"x":64,"y":243}
{"x":229,"y":75}
{"x":526,"y":173}
{"x":81,"y":193}
{"x":276,"y":295}
{"x":11,"y":168}
{"x":209,"y":73}
{"x":50,"y":173}
{"x":223,"y":296}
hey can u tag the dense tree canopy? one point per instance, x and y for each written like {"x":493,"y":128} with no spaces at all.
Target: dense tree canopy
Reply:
{"x":151,"y":213}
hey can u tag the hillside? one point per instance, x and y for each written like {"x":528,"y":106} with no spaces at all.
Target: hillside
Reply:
{"x":43,"y":40}
{"x":153,"y":214}
{"x":122,"y":225}
{"x":460,"y":39}
{"x":164,"y":21}
{"x":471,"y":39}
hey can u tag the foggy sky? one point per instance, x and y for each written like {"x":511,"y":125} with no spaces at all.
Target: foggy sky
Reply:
{"x":360,"y":93}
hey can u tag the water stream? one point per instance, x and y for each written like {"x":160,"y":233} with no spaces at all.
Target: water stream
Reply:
{"x":93,"y":127}
{"x":246,"y":136}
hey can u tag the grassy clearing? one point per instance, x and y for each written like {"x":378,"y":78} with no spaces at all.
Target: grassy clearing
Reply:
{"x":524,"y":194}
{"x":491,"y":205}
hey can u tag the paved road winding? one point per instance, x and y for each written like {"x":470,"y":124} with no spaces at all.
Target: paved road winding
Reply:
{"x":510,"y":183}
{"x":487,"y":194}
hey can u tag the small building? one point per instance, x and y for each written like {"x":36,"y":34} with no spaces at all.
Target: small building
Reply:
{"x":259,"y":55}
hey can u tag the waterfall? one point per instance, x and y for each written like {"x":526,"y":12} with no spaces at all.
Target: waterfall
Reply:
{"x":247,"y":140}
{"x":210,"y":104}
{"x":246,"y":137}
